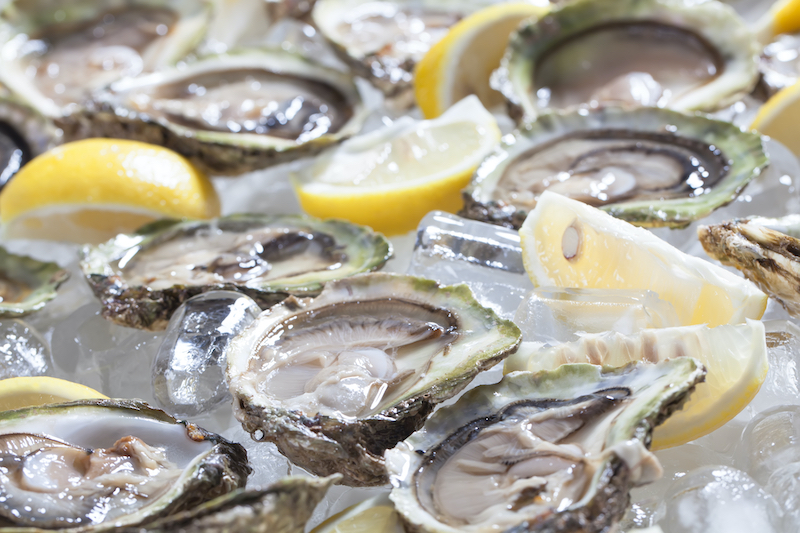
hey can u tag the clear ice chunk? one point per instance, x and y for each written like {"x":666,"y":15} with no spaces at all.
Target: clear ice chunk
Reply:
{"x":488,"y":258}
{"x":23,"y":351}
{"x":769,"y":441}
{"x":784,"y":485}
{"x":188,"y":370}
{"x":553,"y":315}
{"x":782,"y":385}
{"x":720,"y":499}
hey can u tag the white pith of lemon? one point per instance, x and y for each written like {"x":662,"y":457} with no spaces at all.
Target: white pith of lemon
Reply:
{"x":735,"y":357}
{"x":89,"y":191}
{"x":566,"y":243}
{"x":16,"y":393}
{"x":462,"y":62}
{"x":389,"y":179}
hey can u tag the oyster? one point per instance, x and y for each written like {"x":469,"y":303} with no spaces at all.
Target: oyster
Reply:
{"x":680,"y":54}
{"x":651,"y":167}
{"x":336,"y":380}
{"x":103,"y":464}
{"x":57,"y":51}
{"x":229,"y":113}
{"x":768,"y":258}
{"x":26,"y":284}
{"x":141,"y":279}
{"x":383,"y":41}
{"x":553,"y":451}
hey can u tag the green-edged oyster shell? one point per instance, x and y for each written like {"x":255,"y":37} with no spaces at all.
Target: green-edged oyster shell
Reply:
{"x":56,"y":52}
{"x":651,"y":167}
{"x":281,"y":106}
{"x":336,"y":380}
{"x":26,"y":284}
{"x":552,"y":451}
{"x":142,"y":278}
{"x":96,"y":465}
{"x":681,"y":54}
{"x":767,"y":257}
{"x":283,"y":507}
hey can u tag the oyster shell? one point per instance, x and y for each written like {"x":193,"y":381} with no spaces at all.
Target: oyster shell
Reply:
{"x":26,"y":284}
{"x":102,"y":464}
{"x":336,"y":380}
{"x":767,"y":257}
{"x":651,"y":167}
{"x":57,"y":51}
{"x":553,"y":451}
{"x":680,"y":54}
{"x":230,"y":113}
{"x":383,"y":41}
{"x":141,"y":279}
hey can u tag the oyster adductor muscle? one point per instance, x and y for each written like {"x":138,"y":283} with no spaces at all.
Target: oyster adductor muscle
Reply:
{"x":553,"y":451}
{"x":336,"y":380}
{"x":651,"y":167}
{"x":680,"y":54}
{"x":97,"y":465}
{"x":142,"y":278}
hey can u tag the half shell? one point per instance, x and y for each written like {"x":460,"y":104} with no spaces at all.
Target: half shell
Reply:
{"x":336,"y":380}
{"x":26,"y":284}
{"x":553,"y":451}
{"x":651,"y":167}
{"x":680,"y":54}
{"x":141,"y":279}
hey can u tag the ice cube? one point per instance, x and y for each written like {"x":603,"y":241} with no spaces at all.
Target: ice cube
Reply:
{"x":784,"y":485}
{"x":268,"y":464}
{"x":488,"y":258}
{"x":720,"y":499}
{"x":23,"y":351}
{"x":189,"y":368}
{"x":554,"y":315}
{"x":770,"y":441}
{"x":782,"y":386}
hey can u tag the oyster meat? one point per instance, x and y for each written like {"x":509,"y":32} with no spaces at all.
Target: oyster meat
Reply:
{"x":680,"y":54}
{"x":229,"y":113}
{"x":56,"y":52}
{"x":651,"y":167}
{"x":336,"y":380}
{"x":552,"y":451}
{"x":141,"y":279}
{"x":26,"y":284}
{"x":102,"y":464}
{"x":767,"y":257}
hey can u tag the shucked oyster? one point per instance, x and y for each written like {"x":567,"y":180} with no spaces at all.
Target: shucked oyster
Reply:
{"x":680,"y":54}
{"x":142,"y":278}
{"x":651,"y":167}
{"x":553,"y":451}
{"x":229,"y":113}
{"x":768,"y":258}
{"x":56,"y":52}
{"x":101,"y":464}
{"x":336,"y":380}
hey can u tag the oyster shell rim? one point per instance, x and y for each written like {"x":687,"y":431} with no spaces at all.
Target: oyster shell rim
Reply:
{"x":44,"y":277}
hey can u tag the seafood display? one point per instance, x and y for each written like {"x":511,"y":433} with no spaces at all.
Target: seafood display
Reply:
{"x":540,"y":365}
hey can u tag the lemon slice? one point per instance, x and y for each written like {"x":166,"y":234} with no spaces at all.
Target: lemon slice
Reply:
{"x":391,"y":178}
{"x":16,"y":393}
{"x":376,"y":515}
{"x":89,"y":191}
{"x":462,"y":62}
{"x":782,"y":17}
{"x":779,"y":117}
{"x":734,"y":355}
{"x":566,"y":243}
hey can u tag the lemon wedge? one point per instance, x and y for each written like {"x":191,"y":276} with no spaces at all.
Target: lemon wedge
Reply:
{"x":376,"y":515}
{"x":779,"y":117}
{"x":89,"y":191}
{"x":389,"y":179}
{"x":782,"y":17}
{"x":462,"y":62}
{"x":16,"y":393}
{"x":566,"y":243}
{"x":734,"y":355}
